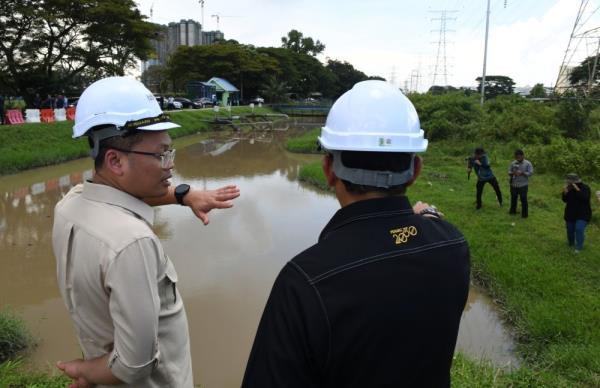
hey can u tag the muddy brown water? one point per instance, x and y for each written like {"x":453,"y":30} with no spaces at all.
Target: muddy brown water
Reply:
{"x":225,"y":269}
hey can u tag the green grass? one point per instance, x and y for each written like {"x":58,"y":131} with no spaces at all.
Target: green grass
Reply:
{"x":32,"y":145}
{"x":549,"y":295}
{"x":306,"y":143}
{"x":13,"y":374}
{"x":13,"y":334}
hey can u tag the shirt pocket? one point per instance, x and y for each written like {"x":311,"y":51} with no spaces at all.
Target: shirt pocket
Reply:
{"x":169,"y":297}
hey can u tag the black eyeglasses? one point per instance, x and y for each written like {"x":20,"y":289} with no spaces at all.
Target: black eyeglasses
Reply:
{"x":166,"y":158}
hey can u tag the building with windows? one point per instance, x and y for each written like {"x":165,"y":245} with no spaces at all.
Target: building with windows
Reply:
{"x":183,"y":33}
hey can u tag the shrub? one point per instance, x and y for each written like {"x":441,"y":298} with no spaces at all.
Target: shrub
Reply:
{"x":567,"y":155}
{"x":13,"y":334}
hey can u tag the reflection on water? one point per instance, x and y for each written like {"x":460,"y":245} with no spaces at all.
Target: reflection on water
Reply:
{"x":225,"y":269}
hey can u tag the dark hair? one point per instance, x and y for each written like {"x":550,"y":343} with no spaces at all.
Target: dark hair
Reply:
{"x":479,"y":151}
{"x":125,"y":142}
{"x":519,"y":152}
{"x":376,"y":161}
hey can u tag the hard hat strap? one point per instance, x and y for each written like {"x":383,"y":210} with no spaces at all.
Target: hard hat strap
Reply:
{"x":383,"y":179}
{"x":98,"y":135}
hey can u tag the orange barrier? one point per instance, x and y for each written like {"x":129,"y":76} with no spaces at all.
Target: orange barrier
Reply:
{"x":71,"y":113}
{"x":47,"y":115}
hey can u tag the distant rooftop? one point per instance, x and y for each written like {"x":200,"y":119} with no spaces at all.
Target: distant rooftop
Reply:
{"x":223,"y":84}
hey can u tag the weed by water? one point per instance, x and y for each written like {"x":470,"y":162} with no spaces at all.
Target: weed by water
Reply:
{"x":13,"y":334}
{"x":306,"y":143}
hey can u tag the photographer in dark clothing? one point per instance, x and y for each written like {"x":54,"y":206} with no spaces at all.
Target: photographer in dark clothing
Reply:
{"x":480,"y":162}
{"x":378,"y":300}
{"x":578,"y":211}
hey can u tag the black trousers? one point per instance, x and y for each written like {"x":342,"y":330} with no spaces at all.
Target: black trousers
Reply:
{"x":494,"y":183}
{"x":520,"y":192}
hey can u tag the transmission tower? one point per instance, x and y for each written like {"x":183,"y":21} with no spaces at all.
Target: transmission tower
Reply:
{"x":393,"y":75}
{"x":441,"y":63}
{"x":415,"y":76}
{"x":584,"y":30}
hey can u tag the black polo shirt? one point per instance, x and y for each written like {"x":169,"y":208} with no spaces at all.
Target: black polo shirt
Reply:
{"x":375,"y":303}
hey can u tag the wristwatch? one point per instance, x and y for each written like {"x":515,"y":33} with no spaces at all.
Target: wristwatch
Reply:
{"x":180,"y":192}
{"x":432,"y":211}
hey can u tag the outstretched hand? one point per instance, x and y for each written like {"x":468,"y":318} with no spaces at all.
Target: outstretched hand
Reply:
{"x":203,"y":201}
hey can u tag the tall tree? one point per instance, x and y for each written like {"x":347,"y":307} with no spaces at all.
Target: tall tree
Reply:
{"x":537,"y":91}
{"x":297,"y":42}
{"x":346,"y":75}
{"x":581,"y":74}
{"x":241,"y":65}
{"x":496,"y":85}
{"x":47,"y":44}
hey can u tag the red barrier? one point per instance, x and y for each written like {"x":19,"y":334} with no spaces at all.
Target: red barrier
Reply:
{"x":14,"y":116}
{"x":71,"y":113}
{"x":47,"y":115}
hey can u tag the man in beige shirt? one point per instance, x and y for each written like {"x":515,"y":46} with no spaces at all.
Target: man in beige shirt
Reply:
{"x":117,"y":283}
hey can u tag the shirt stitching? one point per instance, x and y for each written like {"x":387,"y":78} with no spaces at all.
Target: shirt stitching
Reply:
{"x":383,"y":256}
{"x":322,"y":304}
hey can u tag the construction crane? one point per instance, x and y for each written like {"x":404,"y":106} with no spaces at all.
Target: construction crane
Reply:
{"x":219,"y":16}
{"x":202,"y":8}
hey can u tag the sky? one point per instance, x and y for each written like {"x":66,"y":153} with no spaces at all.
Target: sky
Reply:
{"x":400,"y":39}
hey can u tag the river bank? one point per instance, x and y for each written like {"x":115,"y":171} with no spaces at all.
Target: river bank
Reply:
{"x":30,"y":145}
{"x":547,"y":293}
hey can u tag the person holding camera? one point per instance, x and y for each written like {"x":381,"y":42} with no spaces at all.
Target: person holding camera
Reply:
{"x":519,"y":171}
{"x":578,"y":211}
{"x":480,"y":162}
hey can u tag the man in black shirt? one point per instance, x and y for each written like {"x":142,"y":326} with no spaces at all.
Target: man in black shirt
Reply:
{"x":378,"y":300}
{"x":578,"y":210}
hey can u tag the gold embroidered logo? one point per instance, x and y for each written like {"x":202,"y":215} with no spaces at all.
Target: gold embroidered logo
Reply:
{"x":403,"y":234}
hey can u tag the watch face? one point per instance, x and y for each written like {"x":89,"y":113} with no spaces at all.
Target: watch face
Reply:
{"x":182,"y":189}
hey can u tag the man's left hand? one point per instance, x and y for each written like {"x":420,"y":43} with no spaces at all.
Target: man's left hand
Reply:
{"x":203,"y":201}
{"x":72,"y":370}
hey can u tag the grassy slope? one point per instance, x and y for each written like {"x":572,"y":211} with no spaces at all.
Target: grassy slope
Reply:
{"x":547,"y":292}
{"x":39,"y":144}
{"x":14,"y":375}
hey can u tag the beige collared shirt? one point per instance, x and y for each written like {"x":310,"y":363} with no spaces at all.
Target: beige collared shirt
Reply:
{"x":120,"y":287}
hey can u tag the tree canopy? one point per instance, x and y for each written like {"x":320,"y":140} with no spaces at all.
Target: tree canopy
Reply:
{"x":47,"y":45}
{"x":298,"y":43}
{"x":496,"y":85}
{"x":538,"y":91}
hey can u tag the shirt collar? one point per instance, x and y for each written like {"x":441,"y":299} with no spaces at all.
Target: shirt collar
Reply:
{"x":113,"y":196}
{"x":369,"y":208}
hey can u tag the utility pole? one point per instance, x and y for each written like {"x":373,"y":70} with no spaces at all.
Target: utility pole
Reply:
{"x":441,"y":58}
{"x":487,"y":27}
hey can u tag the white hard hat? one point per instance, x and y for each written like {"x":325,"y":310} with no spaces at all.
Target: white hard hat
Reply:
{"x":122,"y":102}
{"x":373,"y":116}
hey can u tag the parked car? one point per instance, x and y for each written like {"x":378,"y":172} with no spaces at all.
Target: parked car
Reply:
{"x":204,"y":102}
{"x":186,"y":103}
{"x":257,"y":100}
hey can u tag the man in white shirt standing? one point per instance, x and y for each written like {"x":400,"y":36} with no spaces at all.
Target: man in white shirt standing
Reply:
{"x":117,"y":283}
